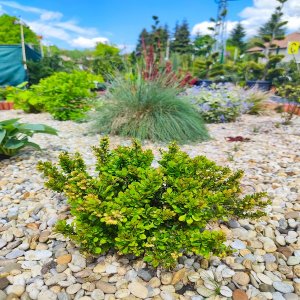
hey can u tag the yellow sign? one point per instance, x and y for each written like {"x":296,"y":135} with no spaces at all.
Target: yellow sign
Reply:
{"x":293,"y":47}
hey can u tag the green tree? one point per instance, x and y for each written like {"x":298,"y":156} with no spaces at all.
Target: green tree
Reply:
{"x":106,"y":60}
{"x":181,"y":43}
{"x":271,"y":31}
{"x":203,"y":45}
{"x":237,"y":37}
{"x":10,"y":32}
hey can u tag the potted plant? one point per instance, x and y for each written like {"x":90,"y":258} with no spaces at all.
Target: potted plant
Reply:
{"x":14,"y":136}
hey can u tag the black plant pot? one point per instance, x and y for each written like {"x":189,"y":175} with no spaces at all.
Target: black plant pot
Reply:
{"x":262,"y":85}
{"x":4,"y":156}
{"x":204,"y":82}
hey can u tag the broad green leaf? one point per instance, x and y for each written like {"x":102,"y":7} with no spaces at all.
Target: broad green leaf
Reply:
{"x":2,"y":135}
{"x":15,"y":144}
{"x":38,"y":128}
{"x":8,"y":122}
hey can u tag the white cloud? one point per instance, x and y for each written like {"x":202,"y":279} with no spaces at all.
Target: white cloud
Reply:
{"x":252,"y":17}
{"x":126,"y":48}
{"x":202,"y":28}
{"x":72,"y":26}
{"x":51,"y":15}
{"x":82,"y":42}
{"x":48,"y":31}
{"x":50,"y":25}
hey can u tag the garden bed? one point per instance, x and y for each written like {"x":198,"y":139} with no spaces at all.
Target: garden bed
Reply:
{"x":37,"y":261}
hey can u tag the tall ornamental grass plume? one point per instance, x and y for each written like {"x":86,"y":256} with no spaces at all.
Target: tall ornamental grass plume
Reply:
{"x":149,"y":109}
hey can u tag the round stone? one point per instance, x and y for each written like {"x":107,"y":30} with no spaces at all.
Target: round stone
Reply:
{"x":239,"y":295}
{"x":241,"y":278}
{"x":138,"y":290}
{"x":97,"y":294}
{"x":73,"y":289}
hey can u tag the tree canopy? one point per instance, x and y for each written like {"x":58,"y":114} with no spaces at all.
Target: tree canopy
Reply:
{"x":237,"y":37}
{"x":10,"y":32}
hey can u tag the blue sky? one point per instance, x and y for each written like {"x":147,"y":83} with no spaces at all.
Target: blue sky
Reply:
{"x":80,"y":24}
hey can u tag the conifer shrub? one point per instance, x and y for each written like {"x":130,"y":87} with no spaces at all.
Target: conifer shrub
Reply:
{"x":157,"y":213}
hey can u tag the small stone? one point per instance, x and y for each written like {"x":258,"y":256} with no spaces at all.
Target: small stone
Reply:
{"x":166,"y":278}
{"x":205,"y":292}
{"x":73,"y":289}
{"x":37,"y":254}
{"x":265,"y":279}
{"x":283,"y":287}
{"x":78,"y":261}
{"x":291,"y":296}
{"x":100,"y":268}
{"x":3,"y":243}
{"x":15,"y":254}
{"x":194,"y":277}
{"x":2,"y":295}
{"x":238,"y":244}
{"x":144,"y":274}
{"x":277,"y":296}
{"x":225,"y":291}
{"x":286,"y":251}
{"x":122,"y":293}
{"x":155,"y":282}
{"x":269,"y":246}
{"x":44,"y":236}
{"x":138,"y":290}
{"x":280,"y":240}
{"x":106,"y":287}
{"x":16,"y":289}
{"x":97,"y":294}
{"x":241,"y":278}
{"x":227,"y":273}
{"x":293,"y":260}
{"x":47,"y":295}
{"x":292,"y":215}
{"x":165,"y":295}
{"x":64,"y":259}
{"x":4,"y":283}
{"x":239,"y":295}
{"x":111,"y":269}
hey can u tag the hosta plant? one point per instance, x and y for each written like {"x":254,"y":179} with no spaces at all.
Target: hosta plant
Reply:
{"x":14,"y":135}
{"x":157,"y":213}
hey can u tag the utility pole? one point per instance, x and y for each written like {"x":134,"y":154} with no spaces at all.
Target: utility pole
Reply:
{"x":22,"y":42}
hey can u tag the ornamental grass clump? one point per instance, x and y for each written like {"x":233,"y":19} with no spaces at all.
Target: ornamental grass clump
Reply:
{"x":157,"y":213}
{"x":149,"y":109}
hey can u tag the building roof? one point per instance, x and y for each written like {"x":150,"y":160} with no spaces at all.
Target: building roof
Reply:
{"x":282,"y":44}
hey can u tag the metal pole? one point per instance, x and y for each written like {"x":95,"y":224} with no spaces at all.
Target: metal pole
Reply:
{"x":41,"y":48}
{"x":168,"y":49}
{"x":23,"y":46}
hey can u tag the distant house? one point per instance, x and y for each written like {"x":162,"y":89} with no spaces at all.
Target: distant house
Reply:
{"x":282,"y":47}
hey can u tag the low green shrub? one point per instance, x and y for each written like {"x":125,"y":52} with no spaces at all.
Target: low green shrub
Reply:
{"x":148,"y":109}
{"x":158,"y":213}
{"x":66,"y":96}
{"x":14,"y":135}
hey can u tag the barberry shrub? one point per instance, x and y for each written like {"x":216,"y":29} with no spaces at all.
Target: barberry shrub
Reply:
{"x":158,"y":213}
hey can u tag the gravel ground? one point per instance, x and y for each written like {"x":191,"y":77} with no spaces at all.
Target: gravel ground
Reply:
{"x":36,"y":263}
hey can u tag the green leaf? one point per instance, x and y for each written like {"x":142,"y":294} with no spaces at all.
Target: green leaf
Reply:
{"x":9,"y":122}
{"x":14,"y":144}
{"x":37,"y":128}
{"x":143,"y":236}
{"x":2,"y":135}
{"x":182,"y":218}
